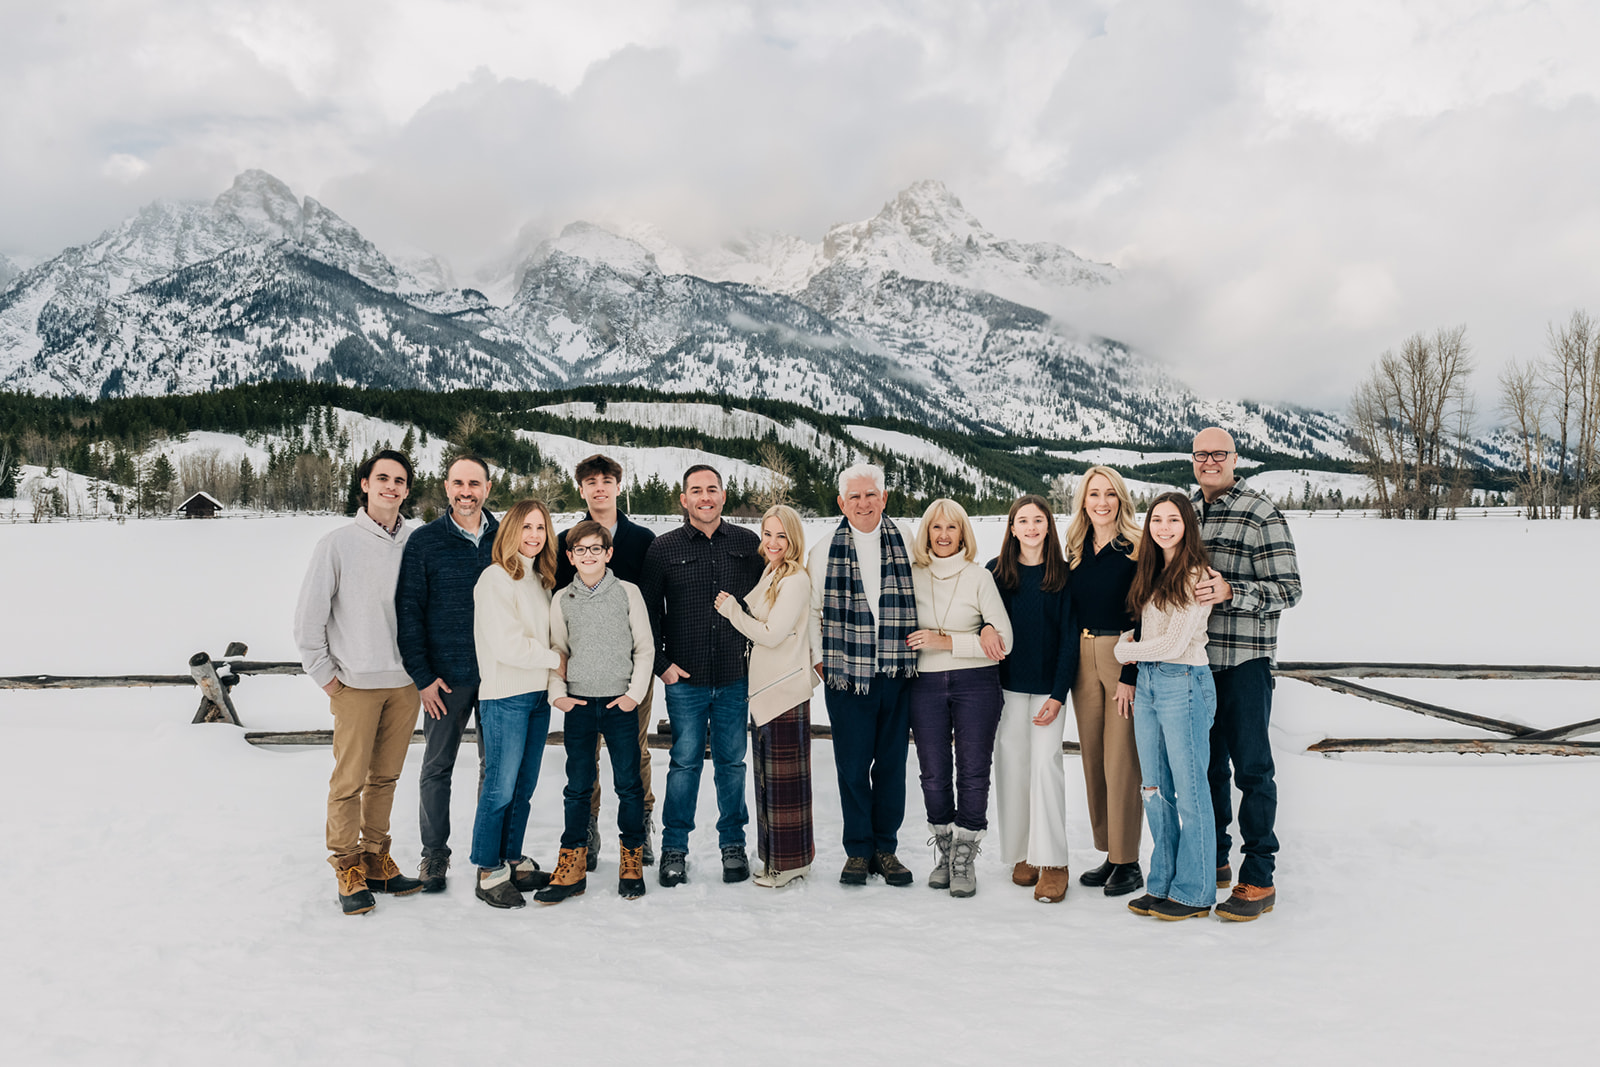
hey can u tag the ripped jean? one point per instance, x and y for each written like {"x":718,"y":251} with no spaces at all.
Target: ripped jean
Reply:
{"x":1172,"y":714}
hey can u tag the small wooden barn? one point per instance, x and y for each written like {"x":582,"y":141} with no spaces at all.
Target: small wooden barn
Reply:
{"x":201,"y":505}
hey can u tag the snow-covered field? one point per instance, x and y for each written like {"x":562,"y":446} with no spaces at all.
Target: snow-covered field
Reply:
{"x":166,"y":899}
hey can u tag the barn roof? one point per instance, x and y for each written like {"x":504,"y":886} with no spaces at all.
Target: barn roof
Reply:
{"x":195,"y":496}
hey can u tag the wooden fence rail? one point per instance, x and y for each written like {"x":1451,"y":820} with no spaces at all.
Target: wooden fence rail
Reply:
{"x":216,"y":678}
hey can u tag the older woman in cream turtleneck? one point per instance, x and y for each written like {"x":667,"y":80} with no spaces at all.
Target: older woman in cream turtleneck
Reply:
{"x":955,"y":698}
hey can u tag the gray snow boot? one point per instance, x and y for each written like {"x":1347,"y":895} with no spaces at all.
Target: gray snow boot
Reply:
{"x":963,"y":851}
{"x":939,"y":877}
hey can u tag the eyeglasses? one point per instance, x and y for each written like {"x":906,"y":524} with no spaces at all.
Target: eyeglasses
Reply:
{"x":587,"y":550}
{"x":1215,"y":457}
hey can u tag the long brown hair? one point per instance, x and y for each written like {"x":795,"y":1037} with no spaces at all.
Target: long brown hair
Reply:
{"x":1080,"y":529}
{"x":1006,"y":575}
{"x":508,"y":543}
{"x":1154,"y":581}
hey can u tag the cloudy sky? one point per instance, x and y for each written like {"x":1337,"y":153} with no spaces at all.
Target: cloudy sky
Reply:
{"x":1290,"y":186}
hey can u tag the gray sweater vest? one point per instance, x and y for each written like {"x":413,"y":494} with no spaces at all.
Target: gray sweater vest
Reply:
{"x":600,"y":637}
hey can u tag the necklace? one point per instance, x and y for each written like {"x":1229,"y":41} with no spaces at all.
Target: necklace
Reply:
{"x":950,"y":603}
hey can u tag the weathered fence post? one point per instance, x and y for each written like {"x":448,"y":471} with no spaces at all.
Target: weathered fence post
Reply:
{"x":215,"y":704}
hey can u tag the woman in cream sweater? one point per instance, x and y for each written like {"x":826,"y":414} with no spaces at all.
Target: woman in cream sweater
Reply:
{"x":511,"y":629}
{"x":775,"y":619}
{"x":955,"y":698}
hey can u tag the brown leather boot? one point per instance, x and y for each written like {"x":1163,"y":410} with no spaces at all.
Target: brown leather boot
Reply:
{"x":1024,"y":873}
{"x":1052,"y":887}
{"x":570,"y":878}
{"x":354,"y":896}
{"x":630,"y":879}
{"x":383,"y":876}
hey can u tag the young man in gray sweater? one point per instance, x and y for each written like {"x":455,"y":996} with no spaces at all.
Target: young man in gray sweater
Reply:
{"x":344,"y":626}
{"x":600,"y":622}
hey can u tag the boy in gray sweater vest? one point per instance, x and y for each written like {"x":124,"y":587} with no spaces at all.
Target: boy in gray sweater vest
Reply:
{"x":600,"y":622}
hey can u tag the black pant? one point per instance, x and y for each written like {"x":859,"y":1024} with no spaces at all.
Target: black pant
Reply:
{"x":581,"y":730}
{"x":441,"y":740}
{"x":1239,"y":737}
{"x":871,"y":737}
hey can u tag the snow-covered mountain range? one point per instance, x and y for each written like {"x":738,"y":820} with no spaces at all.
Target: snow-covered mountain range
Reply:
{"x":918,"y":313}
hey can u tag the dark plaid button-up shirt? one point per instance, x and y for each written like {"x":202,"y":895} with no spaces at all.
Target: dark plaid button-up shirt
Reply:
{"x":1249,"y":544}
{"x":683,"y":572}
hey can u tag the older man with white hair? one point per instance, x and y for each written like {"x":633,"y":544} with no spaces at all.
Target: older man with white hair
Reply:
{"x":863,"y":608}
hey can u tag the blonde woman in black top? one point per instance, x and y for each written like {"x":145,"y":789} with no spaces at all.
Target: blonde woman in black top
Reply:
{"x":1102,"y":547}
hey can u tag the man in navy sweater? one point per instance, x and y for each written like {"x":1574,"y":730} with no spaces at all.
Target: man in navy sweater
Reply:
{"x":433,"y":610}
{"x":599,"y":481}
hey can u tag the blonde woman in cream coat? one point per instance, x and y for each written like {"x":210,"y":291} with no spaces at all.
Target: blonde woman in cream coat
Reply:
{"x":774,"y":617}
{"x":955,"y":698}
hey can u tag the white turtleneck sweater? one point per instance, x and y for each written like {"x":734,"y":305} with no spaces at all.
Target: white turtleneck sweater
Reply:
{"x":957,"y":596}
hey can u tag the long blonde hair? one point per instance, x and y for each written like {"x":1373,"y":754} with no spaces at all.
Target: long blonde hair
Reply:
{"x":921,"y":552}
{"x":1080,"y":526}
{"x":508,"y":543}
{"x":794,"y":557}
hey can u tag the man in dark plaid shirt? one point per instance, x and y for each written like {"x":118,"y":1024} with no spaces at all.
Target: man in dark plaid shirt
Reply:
{"x":700,"y":658}
{"x":1254,"y":576}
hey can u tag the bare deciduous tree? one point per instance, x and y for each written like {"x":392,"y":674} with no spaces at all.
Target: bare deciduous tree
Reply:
{"x":1412,"y":415}
{"x":1525,"y":402}
{"x":776,"y":489}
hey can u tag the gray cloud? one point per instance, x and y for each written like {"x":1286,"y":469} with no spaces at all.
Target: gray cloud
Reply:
{"x":1290,"y":188}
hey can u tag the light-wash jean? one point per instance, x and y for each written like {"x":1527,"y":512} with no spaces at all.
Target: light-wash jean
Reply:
{"x":1172,"y":714}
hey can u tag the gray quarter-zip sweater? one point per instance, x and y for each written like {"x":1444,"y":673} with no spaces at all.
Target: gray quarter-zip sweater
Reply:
{"x":344,"y":623}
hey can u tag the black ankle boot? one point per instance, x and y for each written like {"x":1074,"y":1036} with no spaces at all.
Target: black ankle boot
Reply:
{"x":1124,"y":879}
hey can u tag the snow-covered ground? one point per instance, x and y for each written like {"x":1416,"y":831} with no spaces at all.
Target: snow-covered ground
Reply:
{"x":913,"y":447}
{"x":639,"y":465}
{"x":166,"y":898}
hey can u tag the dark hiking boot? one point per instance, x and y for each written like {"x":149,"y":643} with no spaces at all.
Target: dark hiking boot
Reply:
{"x":674,"y":869}
{"x":1099,"y":876}
{"x":527,"y":877}
{"x":1142,"y":905}
{"x":855,"y":871}
{"x":570,"y":878}
{"x":496,"y":888}
{"x":1171,"y":911}
{"x":432,"y":872}
{"x":354,"y":896}
{"x":1125,"y":878}
{"x":1224,"y":875}
{"x":1247,"y":903}
{"x":649,"y":833}
{"x":384,"y":877}
{"x":735,"y":864}
{"x":594,"y":842}
{"x":894,"y":872}
{"x":630,"y":880}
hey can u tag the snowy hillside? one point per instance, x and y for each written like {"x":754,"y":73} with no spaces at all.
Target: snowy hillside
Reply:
{"x":917,"y":313}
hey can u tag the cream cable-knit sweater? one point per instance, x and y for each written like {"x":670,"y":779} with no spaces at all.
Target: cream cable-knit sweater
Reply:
{"x":511,"y":631}
{"x":960,"y":597}
{"x":1168,"y":636}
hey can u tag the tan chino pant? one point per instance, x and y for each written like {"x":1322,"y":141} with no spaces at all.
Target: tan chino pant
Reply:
{"x":371,"y":733}
{"x":1110,"y":757}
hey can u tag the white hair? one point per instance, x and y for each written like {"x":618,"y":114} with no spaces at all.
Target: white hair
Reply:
{"x":861,"y":470}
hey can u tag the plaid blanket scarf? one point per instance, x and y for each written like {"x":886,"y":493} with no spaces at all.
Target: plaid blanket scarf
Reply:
{"x":853,"y":648}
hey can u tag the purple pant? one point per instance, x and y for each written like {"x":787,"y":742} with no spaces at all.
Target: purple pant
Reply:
{"x":956,"y":711}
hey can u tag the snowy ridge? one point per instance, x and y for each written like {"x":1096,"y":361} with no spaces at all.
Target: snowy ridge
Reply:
{"x":911,"y":447}
{"x":639,"y":465}
{"x":711,"y":419}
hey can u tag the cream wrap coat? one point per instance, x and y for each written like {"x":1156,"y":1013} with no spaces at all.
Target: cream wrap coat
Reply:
{"x":781,"y":671}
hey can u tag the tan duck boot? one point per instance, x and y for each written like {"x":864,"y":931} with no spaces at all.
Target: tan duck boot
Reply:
{"x":630,"y":879}
{"x":570,"y":878}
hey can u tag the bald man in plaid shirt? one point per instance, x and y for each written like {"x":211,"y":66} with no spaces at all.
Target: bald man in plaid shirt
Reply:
{"x":1254,"y":576}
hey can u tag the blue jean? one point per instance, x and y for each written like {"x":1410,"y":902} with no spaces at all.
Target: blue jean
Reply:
{"x":870,"y":739}
{"x":1239,"y":737}
{"x":1173,"y":708}
{"x":513,"y":730}
{"x":699,"y":713}
{"x":582,"y":728}
{"x":954,"y":716}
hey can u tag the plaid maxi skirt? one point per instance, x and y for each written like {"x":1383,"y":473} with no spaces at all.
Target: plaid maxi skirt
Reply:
{"x":782,"y":758}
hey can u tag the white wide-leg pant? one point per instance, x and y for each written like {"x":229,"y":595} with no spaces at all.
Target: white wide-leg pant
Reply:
{"x":1030,"y":783}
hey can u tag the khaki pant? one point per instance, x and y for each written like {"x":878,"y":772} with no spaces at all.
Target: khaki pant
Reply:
{"x":1110,"y":756}
{"x":644,"y":756}
{"x":371,"y":732}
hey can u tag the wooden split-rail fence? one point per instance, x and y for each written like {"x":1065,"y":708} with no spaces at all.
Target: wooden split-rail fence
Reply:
{"x":216,"y":679}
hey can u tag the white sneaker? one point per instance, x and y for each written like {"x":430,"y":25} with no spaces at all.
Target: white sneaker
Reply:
{"x":772,"y":879}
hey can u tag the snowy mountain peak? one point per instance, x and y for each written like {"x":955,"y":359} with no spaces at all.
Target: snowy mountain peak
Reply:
{"x":263,"y":204}
{"x":597,"y":245}
{"x":8,"y":270}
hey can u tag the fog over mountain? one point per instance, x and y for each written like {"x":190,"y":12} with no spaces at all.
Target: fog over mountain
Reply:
{"x":918,"y":312}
